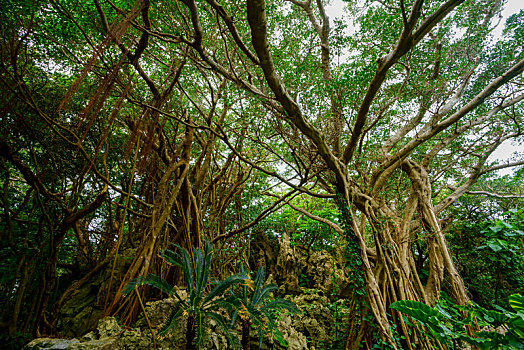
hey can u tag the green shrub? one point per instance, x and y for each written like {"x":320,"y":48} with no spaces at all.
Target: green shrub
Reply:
{"x":200,"y":306}
{"x":256,"y":309}
{"x":450,"y":328}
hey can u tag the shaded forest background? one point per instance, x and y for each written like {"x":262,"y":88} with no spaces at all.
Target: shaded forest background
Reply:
{"x":127,"y":127}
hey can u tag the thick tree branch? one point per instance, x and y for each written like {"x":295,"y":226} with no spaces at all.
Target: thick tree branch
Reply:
{"x":233,"y":30}
{"x":393,"y":161}
{"x":502,"y":166}
{"x":197,"y":45}
{"x":468,"y":126}
{"x":406,"y":42}
{"x":256,"y":12}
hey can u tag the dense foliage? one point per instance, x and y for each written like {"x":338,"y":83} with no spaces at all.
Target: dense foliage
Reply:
{"x":491,"y":256}
{"x":500,"y":328}
{"x":129,"y":126}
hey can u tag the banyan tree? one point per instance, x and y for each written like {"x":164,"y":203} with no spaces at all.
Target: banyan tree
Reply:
{"x":142,"y":124}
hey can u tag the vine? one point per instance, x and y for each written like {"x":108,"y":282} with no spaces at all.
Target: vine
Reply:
{"x":359,"y":313}
{"x":351,"y":249}
{"x":360,"y":307}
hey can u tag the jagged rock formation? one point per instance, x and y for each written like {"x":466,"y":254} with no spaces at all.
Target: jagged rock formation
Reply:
{"x":109,"y":335}
{"x":312,"y":280}
{"x":80,"y":313}
{"x":311,"y":330}
{"x":296,"y":269}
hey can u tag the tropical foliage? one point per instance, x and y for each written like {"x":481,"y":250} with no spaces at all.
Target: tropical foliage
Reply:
{"x":447,"y":323}
{"x":200,"y":306}
{"x":129,"y":126}
{"x":255,"y":308}
{"x":491,"y":253}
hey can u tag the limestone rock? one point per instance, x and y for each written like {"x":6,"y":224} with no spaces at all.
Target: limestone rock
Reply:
{"x":159,"y":311}
{"x":108,"y":327}
{"x":82,"y":311}
{"x":317,"y":319}
{"x":107,"y":343}
{"x":325,"y":274}
{"x":296,"y":340}
{"x":50,"y":344}
{"x":88,"y":337}
{"x":264,"y":252}
{"x":295,"y":270}
{"x":289,"y":267}
{"x":79,"y":314}
{"x":136,"y":339}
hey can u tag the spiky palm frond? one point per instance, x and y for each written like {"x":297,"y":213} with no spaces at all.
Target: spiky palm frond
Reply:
{"x":171,"y":257}
{"x":175,"y":314}
{"x":198,"y":306}
{"x":280,"y":303}
{"x":252,"y":304}
{"x":221,"y":322}
{"x":202,"y":269}
{"x":222,"y":287}
{"x":264,"y":293}
{"x":201,"y":325}
{"x":187,"y":269}
{"x":259,"y":283}
{"x":152,"y":280}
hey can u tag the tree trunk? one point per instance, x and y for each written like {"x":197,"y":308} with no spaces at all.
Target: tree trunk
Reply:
{"x":190,"y":333}
{"x":245,"y":334}
{"x":391,"y":274}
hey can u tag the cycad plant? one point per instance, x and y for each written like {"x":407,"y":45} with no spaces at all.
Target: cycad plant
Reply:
{"x":199,"y":306}
{"x":255,"y":308}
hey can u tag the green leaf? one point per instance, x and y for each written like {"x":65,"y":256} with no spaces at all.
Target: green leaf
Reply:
{"x":516,"y":301}
{"x":187,"y":268}
{"x":282,"y":304}
{"x":176,"y":312}
{"x":277,"y":335}
{"x":222,"y":287}
{"x":259,"y":281}
{"x":417,"y":310}
{"x":495,"y":247}
{"x":516,"y":324}
{"x":443,"y":312}
{"x":171,"y":257}
{"x":481,"y":343}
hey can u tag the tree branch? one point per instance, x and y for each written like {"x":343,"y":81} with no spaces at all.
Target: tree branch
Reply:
{"x":331,"y":224}
{"x":393,"y":161}
{"x":492,"y":194}
{"x":256,"y":14}
{"x":406,"y":42}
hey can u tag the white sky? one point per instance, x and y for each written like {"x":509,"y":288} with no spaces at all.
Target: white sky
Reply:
{"x":511,"y":7}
